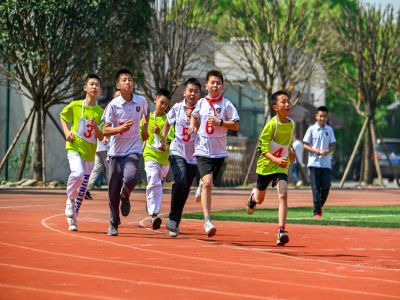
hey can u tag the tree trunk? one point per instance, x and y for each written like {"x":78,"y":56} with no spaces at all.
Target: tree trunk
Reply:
{"x":367,"y":170}
{"x":37,"y":154}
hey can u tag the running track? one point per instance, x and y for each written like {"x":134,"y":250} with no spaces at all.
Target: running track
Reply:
{"x":40,"y":259}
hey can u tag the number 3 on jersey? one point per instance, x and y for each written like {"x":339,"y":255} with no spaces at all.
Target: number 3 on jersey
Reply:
{"x":88,"y":133}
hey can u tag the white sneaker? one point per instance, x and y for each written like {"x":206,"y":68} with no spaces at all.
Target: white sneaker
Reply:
{"x":209,"y":228}
{"x":174,"y":233}
{"x":197,"y":195}
{"x":72,"y":224}
{"x":69,"y":208}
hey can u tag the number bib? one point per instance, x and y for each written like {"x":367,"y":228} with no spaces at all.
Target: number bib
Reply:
{"x":278,"y":150}
{"x":86,"y":131}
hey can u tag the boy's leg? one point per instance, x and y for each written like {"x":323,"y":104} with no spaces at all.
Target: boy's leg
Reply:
{"x":98,"y":167}
{"x":325,"y":185}
{"x":282,"y":188}
{"x":87,"y":166}
{"x":114,"y":188}
{"x":104,"y":161}
{"x":257,"y":194}
{"x":129,"y":181}
{"x":74,"y":181}
{"x":178,"y":199}
{"x":314,"y":178}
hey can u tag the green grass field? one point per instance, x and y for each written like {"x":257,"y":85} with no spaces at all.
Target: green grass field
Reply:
{"x":364,"y":216}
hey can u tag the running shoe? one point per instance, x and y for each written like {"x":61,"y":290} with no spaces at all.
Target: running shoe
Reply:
{"x":72,"y":224}
{"x":69,"y":208}
{"x":125,"y":203}
{"x":112,"y":230}
{"x":251,"y":204}
{"x":155,"y":222}
{"x":209,"y":228}
{"x":283,"y":238}
{"x":88,"y":196}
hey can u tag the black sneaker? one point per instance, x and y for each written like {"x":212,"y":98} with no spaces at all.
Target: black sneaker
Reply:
{"x":88,"y":196}
{"x":155,"y":222}
{"x":112,"y":230}
{"x":251,"y":204}
{"x":283,"y":238}
{"x":125,"y":203}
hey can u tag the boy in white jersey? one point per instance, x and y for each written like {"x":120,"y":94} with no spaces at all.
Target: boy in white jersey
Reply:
{"x":216,"y":115}
{"x":84,"y":115}
{"x":274,"y":160}
{"x":182,"y":159}
{"x":122,"y":122}
{"x":156,"y":162}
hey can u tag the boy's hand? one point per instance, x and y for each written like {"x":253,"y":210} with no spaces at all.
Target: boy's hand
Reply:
{"x":92,"y":121}
{"x":282,"y":162}
{"x":156,"y":129}
{"x":105,"y":141}
{"x":292,"y":156}
{"x":163,"y":146}
{"x":145,"y":134}
{"x":127,"y":125}
{"x":324,"y":152}
{"x":191,"y":130}
{"x":213,"y":121}
{"x":69,"y":136}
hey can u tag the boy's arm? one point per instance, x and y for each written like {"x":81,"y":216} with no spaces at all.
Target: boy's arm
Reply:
{"x":280,"y":161}
{"x":230,"y":125}
{"x":99,"y":133}
{"x":69,"y":136}
{"x":311,"y":149}
{"x":192,"y":127}
{"x":145,"y":133}
{"x":109,"y":130}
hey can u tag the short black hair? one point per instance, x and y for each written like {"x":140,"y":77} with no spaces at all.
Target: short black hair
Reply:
{"x":163,"y":92}
{"x":193,"y":81}
{"x":322,"y":108}
{"x":122,"y":71}
{"x":274,"y":97}
{"x":215,"y":73}
{"x":92,"y":76}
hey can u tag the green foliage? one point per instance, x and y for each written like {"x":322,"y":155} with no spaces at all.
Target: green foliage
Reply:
{"x":365,"y":216}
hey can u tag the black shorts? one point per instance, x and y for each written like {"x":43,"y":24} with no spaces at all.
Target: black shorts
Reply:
{"x":209,"y":165}
{"x":264,"y":180}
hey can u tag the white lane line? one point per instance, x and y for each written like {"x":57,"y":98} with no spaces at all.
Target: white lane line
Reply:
{"x":251,"y":279}
{"x":54,"y":292}
{"x":29,"y":206}
{"x":139,"y":282}
{"x":322,"y":273}
{"x":271,"y":251}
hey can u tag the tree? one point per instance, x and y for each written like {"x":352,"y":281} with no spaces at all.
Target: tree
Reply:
{"x":278,"y":42}
{"x":50,"y":46}
{"x":369,"y":38}
{"x":178,"y":29}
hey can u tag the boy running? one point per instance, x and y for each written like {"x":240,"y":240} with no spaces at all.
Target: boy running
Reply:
{"x":84,"y":115}
{"x":155,"y":157}
{"x":182,"y":159}
{"x":275,"y":157}
{"x":216,"y":115}
{"x":122,"y":122}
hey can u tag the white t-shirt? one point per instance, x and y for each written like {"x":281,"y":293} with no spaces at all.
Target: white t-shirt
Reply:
{"x":211,"y":141}
{"x":319,"y":138}
{"x":117,"y":112}
{"x":183,"y":143}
